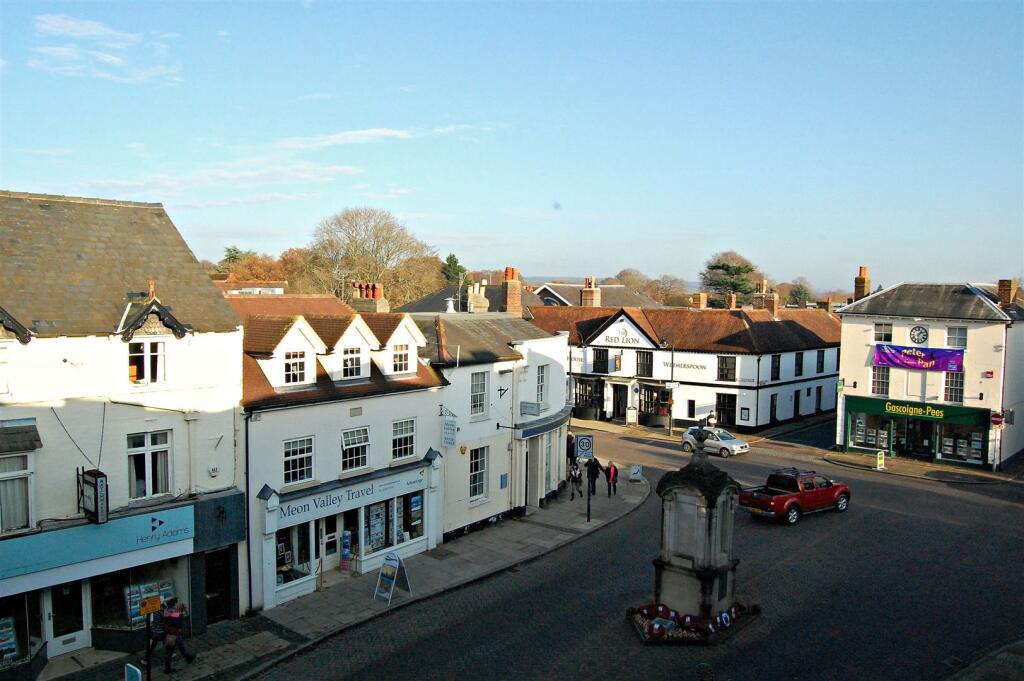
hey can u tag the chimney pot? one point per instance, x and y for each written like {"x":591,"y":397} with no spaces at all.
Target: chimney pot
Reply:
{"x":152,"y":289}
{"x":1007,"y":291}
{"x":771,"y":303}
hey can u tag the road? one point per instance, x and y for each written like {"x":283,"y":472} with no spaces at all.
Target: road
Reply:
{"x":916,"y":579}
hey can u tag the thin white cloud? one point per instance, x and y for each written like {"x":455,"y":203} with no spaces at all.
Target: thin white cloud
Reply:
{"x":71,"y":27}
{"x":244,"y":200}
{"x":391,"y":193}
{"x":223,"y":35}
{"x":346,"y":137}
{"x":408,"y":88}
{"x":43,"y":151}
{"x":3,"y":65}
{"x":105,"y":58}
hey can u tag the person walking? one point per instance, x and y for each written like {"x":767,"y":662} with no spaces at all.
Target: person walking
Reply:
{"x":575,"y":481}
{"x":174,"y":634}
{"x":611,"y":476}
{"x":570,"y":454}
{"x":156,"y":635}
{"x":594,"y":469}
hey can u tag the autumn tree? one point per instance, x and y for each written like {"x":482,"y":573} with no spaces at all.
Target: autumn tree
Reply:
{"x":667,"y":290}
{"x":232,"y":256}
{"x":634,"y":280}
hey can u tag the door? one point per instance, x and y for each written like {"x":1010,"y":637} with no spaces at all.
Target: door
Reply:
{"x":533,"y":461}
{"x":796,"y":404}
{"x":725,"y":409}
{"x":773,"y":409}
{"x":817,"y":399}
{"x":67,"y":618}
{"x":330,"y":552}
{"x":218,"y":585}
{"x":620,"y":399}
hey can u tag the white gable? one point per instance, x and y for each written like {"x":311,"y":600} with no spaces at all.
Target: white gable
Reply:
{"x":623,"y":333}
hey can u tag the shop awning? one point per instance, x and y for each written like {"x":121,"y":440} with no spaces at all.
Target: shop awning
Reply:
{"x":541,"y":426}
{"x":19,"y":438}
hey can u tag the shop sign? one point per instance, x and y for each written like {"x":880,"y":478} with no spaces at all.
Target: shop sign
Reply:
{"x":392,"y":574}
{"x":529,"y":408}
{"x":295,"y":511}
{"x":449,"y":428}
{"x":58,"y":548}
{"x":919,"y":359}
{"x":918,"y":410}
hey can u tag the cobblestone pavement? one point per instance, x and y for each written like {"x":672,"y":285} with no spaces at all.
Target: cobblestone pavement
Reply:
{"x":915,"y":581}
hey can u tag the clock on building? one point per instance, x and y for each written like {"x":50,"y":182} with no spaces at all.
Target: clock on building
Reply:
{"x":919,"y":334}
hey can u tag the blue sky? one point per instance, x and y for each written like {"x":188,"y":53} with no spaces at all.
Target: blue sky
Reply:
{"x":566,"y":139}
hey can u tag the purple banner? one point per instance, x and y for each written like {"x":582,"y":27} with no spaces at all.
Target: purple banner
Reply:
{"x":922,"y":359}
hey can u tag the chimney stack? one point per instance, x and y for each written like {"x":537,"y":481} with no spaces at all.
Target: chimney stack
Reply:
{"x":1007,"y":291}
{"x":699,"y":300}
{"x":731,"y":301}
{"x":476,"y":300}
{"x":369,"y":297}
{"x":152,"y":289}
{"x":861,"y":284}
{"x":771,"y":303}
{"x":512,"y":287}
{"x":590,"y":296}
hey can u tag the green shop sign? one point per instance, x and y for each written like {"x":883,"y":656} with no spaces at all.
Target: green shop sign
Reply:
{"x":919,"y":410}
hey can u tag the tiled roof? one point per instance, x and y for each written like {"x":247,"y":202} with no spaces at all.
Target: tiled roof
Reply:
{"x":237,"y":285}
{"x":383,"y":324}
{"x":264,"y":332}
{"x":70,"y":263}
{"x":612,"y":295}
{"x":436,"y":301}
{"x":474,"y":338}
{"x":731,"y":331}
{"x":330,"y":329}
{"x":307,"y":305}
{"x":258,"y":393}
{"x":937,"y":301}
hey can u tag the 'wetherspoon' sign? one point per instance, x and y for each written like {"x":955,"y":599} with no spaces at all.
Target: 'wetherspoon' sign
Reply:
{"x":922,"y":359}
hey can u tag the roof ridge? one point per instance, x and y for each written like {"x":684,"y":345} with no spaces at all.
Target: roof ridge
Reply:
{"x":5,"y":193}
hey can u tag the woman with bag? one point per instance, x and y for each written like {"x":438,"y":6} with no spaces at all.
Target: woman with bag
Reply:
{"x":174,"y":634}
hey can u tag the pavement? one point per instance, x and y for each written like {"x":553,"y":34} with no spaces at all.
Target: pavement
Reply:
{"x":247,"y":647}
{"x":1005,"y":664}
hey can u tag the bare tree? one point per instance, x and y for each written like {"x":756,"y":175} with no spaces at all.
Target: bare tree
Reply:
{"x":634,"y":280}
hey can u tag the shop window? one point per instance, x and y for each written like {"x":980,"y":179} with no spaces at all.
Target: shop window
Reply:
{"x":377,"y":524}
{"x":883,"y":333}
{"x":293,"y":553}
{"x":403,"y":438}
{"x":653,"y":400}
{"x":820,"y":368}
{"x":963,"y":443}
{"x":477,"y":472}
{"x":872,"y":431}
{"x":600,"y":361}
{"x":776,"y":367}
{"x":354,"y":445}
{"x":298,"y":460}
{"x":542,"y":377}
{"x":116,"y":595}
{"x":880,"y":381}
{"x":400,"y":359}
{"x":956,"y":337}
{"x":588,"y":394}
{"x":798,"y":364}
{"x":351,"y":363}
{"x":955,"y":386}
{"x":726,"y":368}
{"x":294,"y":367}
{"x":14,"y":489}
{"x":149,"y":470}
{"x":478,"y":393}
{"x":20,"y":628}
{"x":644,"y":363}
{"x":146,"y":362}
{"x":410,"y":516}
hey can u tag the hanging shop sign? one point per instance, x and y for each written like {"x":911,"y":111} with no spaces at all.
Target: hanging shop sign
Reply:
{"x":920,"y":359}
{"x":94,"y":496}
{"x":449,"y":428}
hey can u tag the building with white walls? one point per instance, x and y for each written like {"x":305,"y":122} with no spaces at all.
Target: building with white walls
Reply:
{"x":751,"y":367}
{"x":119,"y":364}
{"x":341,"y":424}
{"x":933,"y":371}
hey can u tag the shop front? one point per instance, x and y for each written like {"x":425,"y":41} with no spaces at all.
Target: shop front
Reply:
{"x":348,"y":525}
{"x":915,"y":429}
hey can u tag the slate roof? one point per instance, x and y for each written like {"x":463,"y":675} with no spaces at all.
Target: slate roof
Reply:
{"x":19,"y":438}
{"x":474,"y":338}
{"x":307,"y":305}
{"x":436,"y":301}
{"x":69,"y":264}
{"x":728,"y":331}
{"x":938,"y":301}
{"x":612,"y":295}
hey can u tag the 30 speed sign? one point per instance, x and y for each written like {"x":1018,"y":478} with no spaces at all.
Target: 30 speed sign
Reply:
{"x":584,"y":446}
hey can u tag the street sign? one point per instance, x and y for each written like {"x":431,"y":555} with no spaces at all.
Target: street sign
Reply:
{"x":671,"y":385}
{"x":132,"y":673}
{"x":584,"y":446}
{"x":635,"y":472}
{"x":149,"y":605}
{"x":997,"y":419}
{"x":880,"y":461}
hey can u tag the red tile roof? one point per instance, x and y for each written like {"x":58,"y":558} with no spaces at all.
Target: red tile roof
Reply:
{"x":291,"y":304}
{"x":262,"y":333}
{"x":383,"y":324}
{"x":330,"y":329}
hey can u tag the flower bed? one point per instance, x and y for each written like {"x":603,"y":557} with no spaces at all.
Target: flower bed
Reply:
{"x":657,"y":623}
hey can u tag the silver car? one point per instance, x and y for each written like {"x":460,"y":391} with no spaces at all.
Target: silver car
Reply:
{"x":719,"y":441}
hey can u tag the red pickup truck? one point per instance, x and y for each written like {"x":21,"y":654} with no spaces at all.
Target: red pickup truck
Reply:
{"x":790,"y":493}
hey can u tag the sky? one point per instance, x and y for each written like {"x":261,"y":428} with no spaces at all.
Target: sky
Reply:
{"x":561,"y":138}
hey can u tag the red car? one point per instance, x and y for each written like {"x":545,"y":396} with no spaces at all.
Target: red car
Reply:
{"x":790,"y":493}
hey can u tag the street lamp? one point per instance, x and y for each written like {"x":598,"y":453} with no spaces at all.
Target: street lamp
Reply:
{"x":671,"y":380}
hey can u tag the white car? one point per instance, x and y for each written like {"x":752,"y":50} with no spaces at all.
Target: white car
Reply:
{"x":719,"y":441}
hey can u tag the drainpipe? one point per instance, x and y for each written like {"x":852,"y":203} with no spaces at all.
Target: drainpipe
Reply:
{"x":1002,"y":393}
{"x":757,"y":395}
{"x":248,"y":526}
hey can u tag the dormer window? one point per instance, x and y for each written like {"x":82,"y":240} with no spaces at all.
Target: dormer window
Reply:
{"x":294,"y":367}
{"x":146,"y":362}
{"x":351,"y":363}
{"x":401,"y":359}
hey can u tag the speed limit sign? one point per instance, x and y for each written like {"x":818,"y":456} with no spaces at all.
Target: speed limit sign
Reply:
{"x":584,"y":446}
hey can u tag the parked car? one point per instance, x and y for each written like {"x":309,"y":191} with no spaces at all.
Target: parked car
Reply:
{"x":719,"y":441}
{"x":790,"y":493}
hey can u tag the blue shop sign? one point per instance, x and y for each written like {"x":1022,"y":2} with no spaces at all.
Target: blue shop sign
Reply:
{"x":57,"y":548}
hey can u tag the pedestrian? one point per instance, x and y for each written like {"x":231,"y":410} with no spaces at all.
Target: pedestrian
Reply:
{"x":174,"y":633}
{"x":575,"y":481}
{"x":570,"y":454}
{"x":611,"y":475}
{"x":594,"y":469}
{"x":156,"y":634}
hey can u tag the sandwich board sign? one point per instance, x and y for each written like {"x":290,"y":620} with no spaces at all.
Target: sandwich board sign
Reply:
{"x":392,"y":573}
{"x":584,"y":446}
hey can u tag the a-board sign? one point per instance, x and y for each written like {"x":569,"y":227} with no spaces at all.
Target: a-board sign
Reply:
{"x":149,"y":605}
{"x":392,"y":574}
{"x":584,"y":446}
{"x":132,"y":673}
{"x":880,"y":461}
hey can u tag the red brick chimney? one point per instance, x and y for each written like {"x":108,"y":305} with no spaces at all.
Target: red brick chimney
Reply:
{"x":861,"y":284}
{"x":771,"y":303}
{"x":512,"y":287}
{"x":731,"y":301}
{"x":369,"y":297}
{"x":590,"y":296}
{"x":1007,"y":291}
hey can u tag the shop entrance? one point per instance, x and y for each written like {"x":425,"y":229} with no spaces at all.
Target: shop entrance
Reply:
{"x":218,"y":585}
{"x":725,"y":409}
{"x":66,"y":611}
{"x":620,"y":400}
{"x":920,"y":438}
